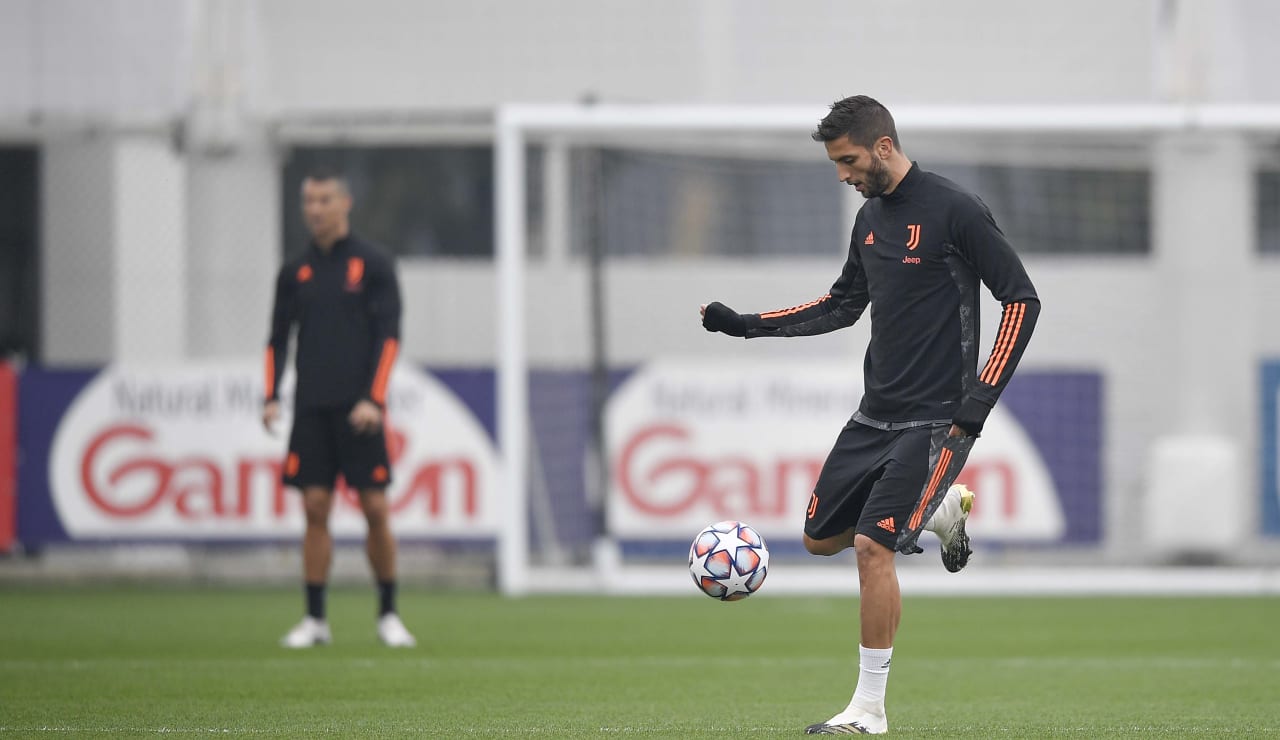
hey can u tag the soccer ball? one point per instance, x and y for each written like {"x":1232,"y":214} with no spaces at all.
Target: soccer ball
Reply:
{"x":728,"y":561}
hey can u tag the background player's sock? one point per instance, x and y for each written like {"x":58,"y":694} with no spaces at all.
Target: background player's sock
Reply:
{"x":386,"y":597}
{"x":315,"y":601}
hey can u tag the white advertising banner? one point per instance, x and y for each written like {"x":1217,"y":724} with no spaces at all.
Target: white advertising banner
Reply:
{"x":179,"y":452}
{"x":695,"y":442}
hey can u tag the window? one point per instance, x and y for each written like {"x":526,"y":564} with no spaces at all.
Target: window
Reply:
{"x":438,"y":201}
{"x":1060,"y":210}
{"x":646,"y":203}
{"x":1268,"y":197}
{"x":434,"y":201}
{"x":19,"y":276}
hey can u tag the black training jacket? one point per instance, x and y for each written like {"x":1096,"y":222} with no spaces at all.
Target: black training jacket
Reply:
{"x":346,"y":305}
{"x":917,"y":256}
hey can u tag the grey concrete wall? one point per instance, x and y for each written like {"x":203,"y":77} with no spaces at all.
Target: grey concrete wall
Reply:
{"x":129,"y":59}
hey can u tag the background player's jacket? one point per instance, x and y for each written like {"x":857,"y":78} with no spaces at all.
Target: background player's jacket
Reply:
{"x":916,"y":256}
{"x":346,"y":304}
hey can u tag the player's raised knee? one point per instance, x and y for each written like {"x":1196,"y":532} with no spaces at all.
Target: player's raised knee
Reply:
{"x":828,"y":546}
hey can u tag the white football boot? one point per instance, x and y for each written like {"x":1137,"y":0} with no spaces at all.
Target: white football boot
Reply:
{"x":852,"y":721}
{"x":948,"y":523}
{"x":307,"y":633}
{"x":393,"y":633}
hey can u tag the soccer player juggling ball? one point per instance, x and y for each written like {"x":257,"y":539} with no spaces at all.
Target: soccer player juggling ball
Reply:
{"x":920,"y":247}
{"x":343,"y":296}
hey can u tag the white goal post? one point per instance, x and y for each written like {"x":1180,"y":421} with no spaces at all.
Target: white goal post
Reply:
{"x":518,"y":126}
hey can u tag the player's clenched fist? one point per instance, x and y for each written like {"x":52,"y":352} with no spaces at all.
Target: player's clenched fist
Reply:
{"x":718,"y":317}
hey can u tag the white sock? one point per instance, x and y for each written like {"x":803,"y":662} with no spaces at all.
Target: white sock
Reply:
{"x":873,"y":675}
{"x":946,"y":513}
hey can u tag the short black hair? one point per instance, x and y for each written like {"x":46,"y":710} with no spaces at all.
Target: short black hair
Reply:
{"x":861,"y":118}
{"x":324,"y":173}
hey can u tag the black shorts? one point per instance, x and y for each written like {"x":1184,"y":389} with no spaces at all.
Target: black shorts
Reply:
{"x":323,"y":444}
{"x":872,"y":480}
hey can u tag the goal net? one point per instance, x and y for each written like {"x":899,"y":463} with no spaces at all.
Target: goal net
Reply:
{"x":625,"y":428}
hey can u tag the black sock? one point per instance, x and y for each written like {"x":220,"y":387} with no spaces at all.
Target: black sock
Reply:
{"x":315,"y":600}
{"x":386,"y":597}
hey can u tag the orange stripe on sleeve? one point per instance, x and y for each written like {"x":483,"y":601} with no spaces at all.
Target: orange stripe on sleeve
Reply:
{"x":270,"y":385}
{"x":793,"y":309}
{"x":1005,"y":343}
{"x":379,"y":391}
{"x":1001,"y":337}
{"x":1013,"y":342}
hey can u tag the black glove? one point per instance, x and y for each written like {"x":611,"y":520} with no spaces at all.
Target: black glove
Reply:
{"x":719,"y":317}
{"x":971,"y":415}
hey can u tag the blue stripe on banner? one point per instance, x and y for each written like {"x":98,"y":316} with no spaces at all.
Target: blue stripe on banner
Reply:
{"x":1270,"y":454}
{"x":43,"y":398}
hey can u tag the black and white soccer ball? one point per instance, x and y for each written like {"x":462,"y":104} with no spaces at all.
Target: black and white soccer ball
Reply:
{"x":728,"y":561}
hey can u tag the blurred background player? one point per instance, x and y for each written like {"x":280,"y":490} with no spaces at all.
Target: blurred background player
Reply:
{"x":343,"y":296}
{"x":920,"y":245}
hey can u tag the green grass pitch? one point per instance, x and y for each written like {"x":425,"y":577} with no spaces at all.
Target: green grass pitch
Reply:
{"x":192,"y":662}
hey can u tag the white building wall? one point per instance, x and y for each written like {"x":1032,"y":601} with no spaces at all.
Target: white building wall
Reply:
{"x":77,"y":258}
{"x":113,"y":273}
{"x":150,"y":243}
{"x":477,"y":54}
{"x":234,"y":235}
{"x":126,"y":59}
{"x":94,"y":60}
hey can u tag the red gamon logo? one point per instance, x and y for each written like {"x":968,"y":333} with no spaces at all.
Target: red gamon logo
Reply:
{"x":996,"y":481}
{"x":135,"y":483}
{"x":126,"y":475}
{"x":688,"y":448}
{"x":8,"y":455}
{"x":660,"y":474}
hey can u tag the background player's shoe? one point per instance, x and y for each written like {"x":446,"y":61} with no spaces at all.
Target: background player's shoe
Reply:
{"x":852,"y":721}
{"x":307,"y":633}
{"x":948,"y":524}
{"x":392,"y":632}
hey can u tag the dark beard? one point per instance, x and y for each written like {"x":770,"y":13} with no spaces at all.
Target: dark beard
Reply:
{"x":877,"y":181}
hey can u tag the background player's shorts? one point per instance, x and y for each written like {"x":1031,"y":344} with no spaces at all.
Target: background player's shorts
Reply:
{"x":872,"y":480}
{"x":323,"y":444}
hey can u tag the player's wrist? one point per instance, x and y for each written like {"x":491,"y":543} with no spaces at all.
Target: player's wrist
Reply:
{"x":972,"y":415}
{"x":721,"y":318}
